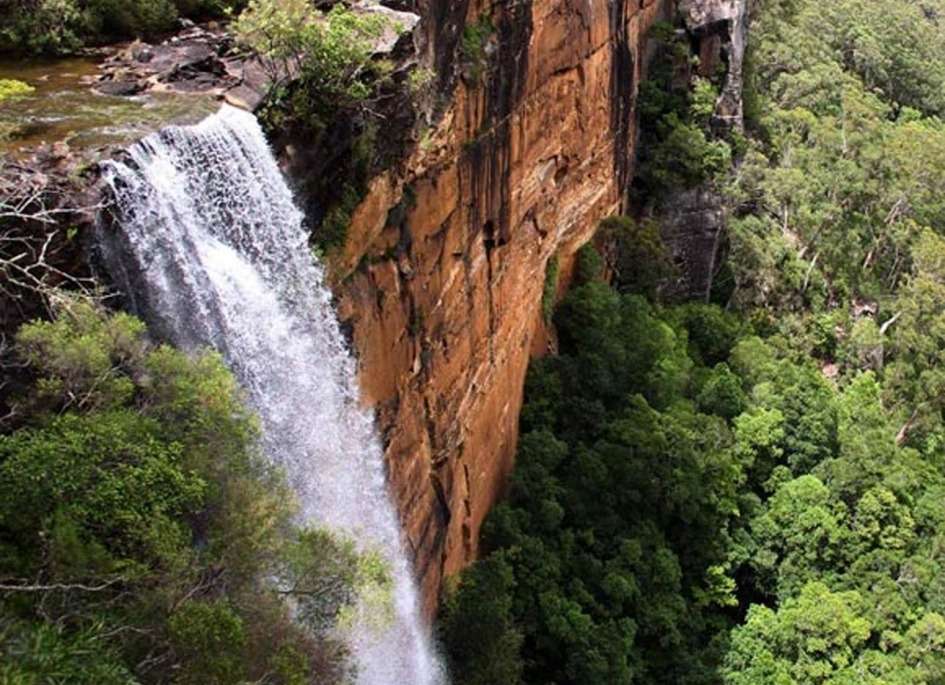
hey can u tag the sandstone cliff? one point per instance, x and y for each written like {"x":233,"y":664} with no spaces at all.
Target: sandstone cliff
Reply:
{"x":445,"y":261}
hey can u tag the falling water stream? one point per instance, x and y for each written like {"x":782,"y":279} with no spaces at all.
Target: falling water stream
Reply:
{"x":212,"y":251}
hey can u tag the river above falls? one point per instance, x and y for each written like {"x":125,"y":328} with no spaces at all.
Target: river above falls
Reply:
{"x":64,"y":107}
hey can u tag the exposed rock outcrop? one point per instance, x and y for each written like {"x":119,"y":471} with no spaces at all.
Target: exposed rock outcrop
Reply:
{"x":442,"y":275}
{"x":692,"y":225}
{"x":694,"y":221}
{"x":720,"y":28}
{"x":197,"y":59}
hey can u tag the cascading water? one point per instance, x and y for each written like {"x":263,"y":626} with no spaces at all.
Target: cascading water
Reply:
{"x":213,"y":252}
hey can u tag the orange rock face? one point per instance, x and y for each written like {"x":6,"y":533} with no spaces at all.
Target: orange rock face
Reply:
{"x":445,"y":261}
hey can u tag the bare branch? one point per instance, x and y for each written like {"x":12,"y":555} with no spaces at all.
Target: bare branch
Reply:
{"x":903,"y":433}
{"x":885,"y":326}
{"x":33,"y":208}
{"x":52,"y":587}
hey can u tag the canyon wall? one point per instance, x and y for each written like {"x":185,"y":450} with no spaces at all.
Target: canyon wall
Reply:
{"x":445,"y":263}
{"x":529,"y":142}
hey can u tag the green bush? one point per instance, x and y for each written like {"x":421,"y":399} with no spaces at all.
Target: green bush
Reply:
{"x":679,"y":148}
{"x":685,"y":156}
{"x":139,"y":520}
{"x":642,"y":260}
{"x":64,"y":26}
{"x":208,"y":639}
{"x":330,"y":51}
{"x":34,"y":653}
{"x":722,"y":394}
{"x":117,"y":19}
{"x":48,"y":26}
{"x":589,"y":266}
{"x":476,"y":37}
{"x":477,"y":627}
{"x":334,"y":226}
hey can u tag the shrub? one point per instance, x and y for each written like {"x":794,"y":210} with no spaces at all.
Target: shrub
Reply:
{"x":46,"y":26}
{"x":684,"y":156}
{"x":331,"y":52}
{"x":117,"y":19}
{"x":590,"y":265}
{"x":33,"y":652}
{"x":64,"y":26}
{"x":475,"y":38}
{"x":334,"y":226}
{"x":477,"y":627}
{"x":722,"y":394}
{"x":142,"y":521}
{"x":642,"y":260}
{"x":679,"y":148}
{"x":208,"y":639}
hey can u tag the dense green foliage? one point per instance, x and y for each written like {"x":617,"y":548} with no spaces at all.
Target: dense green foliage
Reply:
{"x":642,"y":262}
{"x":675,"y":469}
{"x":329,"y":51}
{"x":143,"y":538}
{"x":678,"y":147}
{"x":752,"y":493}
{"x":64,"y":26}
{"x":847,"y":163}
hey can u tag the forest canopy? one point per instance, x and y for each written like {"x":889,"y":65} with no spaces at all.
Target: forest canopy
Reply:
{"x":752,"y":490}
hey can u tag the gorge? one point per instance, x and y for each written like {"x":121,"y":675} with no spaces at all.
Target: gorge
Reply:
{"x":483,"y":343}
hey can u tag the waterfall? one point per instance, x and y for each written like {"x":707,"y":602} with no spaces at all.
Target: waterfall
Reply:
{"x":212,"y":251}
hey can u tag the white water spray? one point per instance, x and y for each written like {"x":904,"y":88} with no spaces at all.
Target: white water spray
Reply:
{"x":212,"y":251}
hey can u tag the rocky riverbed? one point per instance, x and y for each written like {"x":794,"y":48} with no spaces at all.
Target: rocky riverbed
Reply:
{"x":113,"y":96}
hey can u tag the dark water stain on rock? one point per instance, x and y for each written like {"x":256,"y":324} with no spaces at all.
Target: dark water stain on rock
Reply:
{"x":489,"y":155}
{"x":622,"y":90}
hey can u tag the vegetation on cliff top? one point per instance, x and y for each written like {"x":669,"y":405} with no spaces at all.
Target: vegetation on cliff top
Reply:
{"x":328,"y":85}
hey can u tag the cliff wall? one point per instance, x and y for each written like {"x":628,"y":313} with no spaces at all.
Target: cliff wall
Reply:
{"x":442,"y":275}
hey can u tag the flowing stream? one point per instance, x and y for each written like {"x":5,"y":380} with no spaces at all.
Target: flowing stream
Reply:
{"x":212,"y":251}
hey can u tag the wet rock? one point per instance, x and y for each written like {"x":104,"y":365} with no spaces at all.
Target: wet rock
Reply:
{"x":188,"y":62}
{"x":692,"y":226}
{"x":244,"y":97}
{"x":145,"y":55}
{"x":124,"y":88}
